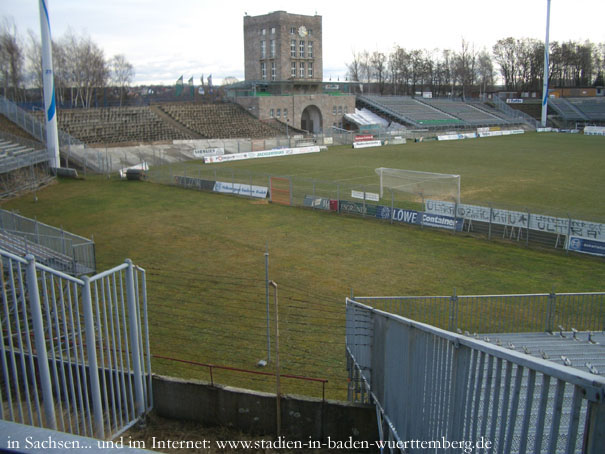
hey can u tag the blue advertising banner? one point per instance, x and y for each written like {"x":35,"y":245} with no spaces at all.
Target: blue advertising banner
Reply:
{"x":586,"y":246}
{"x":443,"y":222}
{"x":383,"y":212}
{"x":407,"y":216}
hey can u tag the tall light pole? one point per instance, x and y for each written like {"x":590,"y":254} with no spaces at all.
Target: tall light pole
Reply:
{"x":50,"y":107}
{"x":546,"y":51}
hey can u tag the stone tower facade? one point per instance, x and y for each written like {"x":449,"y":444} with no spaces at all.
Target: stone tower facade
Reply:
{"x":280,"y":46}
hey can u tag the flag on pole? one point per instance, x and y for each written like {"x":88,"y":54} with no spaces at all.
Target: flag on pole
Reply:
{"x":190,"y":82}
{"x":179,"y":86}
{"x":210,"y":83}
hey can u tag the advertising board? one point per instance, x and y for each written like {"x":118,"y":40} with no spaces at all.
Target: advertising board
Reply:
{"x":586,"y":246}
{"x":241,"y":189}
{"x":260,"y":154}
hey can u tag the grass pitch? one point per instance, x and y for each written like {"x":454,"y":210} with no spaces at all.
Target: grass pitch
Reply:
{"x":204,"y":253}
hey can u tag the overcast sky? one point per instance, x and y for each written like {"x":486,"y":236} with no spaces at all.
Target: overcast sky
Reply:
{"x":165,"y":39}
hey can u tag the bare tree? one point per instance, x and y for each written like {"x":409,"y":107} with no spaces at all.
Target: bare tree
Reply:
{"x":11,"y":59}
{"x":230,"y":80}
{"x":465,"y":66}
{"x":379,"y":65}
{"x":485,"y":71}
{"x":505,"y":54}
{"x":122,"y":73}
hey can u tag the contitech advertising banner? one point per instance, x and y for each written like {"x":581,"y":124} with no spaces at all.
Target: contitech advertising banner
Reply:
{"x":367,"y":144}
{"x":469,"y":135}
{"x":586,"y":246}
{"x":537,"y":222}
{"x":260,"y":154}
{"x":241,"y":189}
{"x":506,"y":132}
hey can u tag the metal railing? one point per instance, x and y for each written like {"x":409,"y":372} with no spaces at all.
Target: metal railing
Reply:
{"x":391,"y":207}
{"x":74,"y":354}
{"x":544,"y":312}
{"x":514,"y":113}
{"x":69,"y":252}
{"x":31,"y":125}
{"x":437,"y":387}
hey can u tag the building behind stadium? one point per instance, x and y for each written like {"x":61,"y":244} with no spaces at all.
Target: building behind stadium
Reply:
{"x":284,"y":74}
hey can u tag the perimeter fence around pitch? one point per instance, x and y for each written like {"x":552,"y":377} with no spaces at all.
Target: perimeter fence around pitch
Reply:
{"x":431,"y":384}
{"x":356,"y":198}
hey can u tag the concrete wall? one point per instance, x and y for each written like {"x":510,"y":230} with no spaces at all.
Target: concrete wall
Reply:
{"x":254,"y":412}
{"x":332,"y":108}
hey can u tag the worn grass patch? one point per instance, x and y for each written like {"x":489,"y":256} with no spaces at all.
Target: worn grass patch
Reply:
{"x":204,"y":254}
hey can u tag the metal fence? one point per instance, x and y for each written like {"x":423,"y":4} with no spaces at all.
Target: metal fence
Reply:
{"x":52,"y":246}
{"x":545,"y":312}
{"x":365,"y":200}
{"x":438,"y":387}
{"x":74,"y":354}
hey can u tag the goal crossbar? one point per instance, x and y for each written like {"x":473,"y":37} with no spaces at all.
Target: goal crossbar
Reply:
{"x":420,"y":183}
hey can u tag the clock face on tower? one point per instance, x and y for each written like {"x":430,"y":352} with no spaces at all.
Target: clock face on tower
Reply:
{"x":302,"y":31}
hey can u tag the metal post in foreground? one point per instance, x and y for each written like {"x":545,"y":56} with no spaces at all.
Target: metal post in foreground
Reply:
{"x":135,"y":330}
{"x":277,"y":390}
{"x":43,"y":368}
{"x":95,"y":386}
{"x":267,"y":300}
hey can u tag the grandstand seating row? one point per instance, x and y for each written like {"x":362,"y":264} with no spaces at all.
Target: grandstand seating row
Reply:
{"x":219,"y":120}
{"x":579,"y":109}
{"x":436,"y":112}
{"x":8,"y":148}
{"x":141,"y":124}
{"x":116,"y":124}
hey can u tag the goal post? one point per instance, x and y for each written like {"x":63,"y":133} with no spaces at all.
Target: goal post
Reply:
{"x":423,"y":184}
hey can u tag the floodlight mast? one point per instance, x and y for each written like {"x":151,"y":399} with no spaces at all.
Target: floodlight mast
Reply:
{"x":546,"y":52}
{"x":50,"y":107}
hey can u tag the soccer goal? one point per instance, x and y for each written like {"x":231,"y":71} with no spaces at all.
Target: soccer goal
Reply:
{"x":422,"y":184}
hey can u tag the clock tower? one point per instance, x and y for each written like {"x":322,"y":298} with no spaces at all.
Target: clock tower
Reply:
{"x":284,"y":75}
{"x":283,"y":47}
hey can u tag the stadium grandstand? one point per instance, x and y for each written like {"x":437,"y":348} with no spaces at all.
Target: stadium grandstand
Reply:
{"x":580,"y":109}
{"x":435,"y":113}
{"x":23,"y":160}
{"x":162,"y":122}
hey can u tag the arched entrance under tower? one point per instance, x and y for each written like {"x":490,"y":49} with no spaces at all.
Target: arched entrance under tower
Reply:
{"x":311,"y":120}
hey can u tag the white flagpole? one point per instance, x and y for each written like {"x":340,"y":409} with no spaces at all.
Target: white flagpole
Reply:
{"x":546,"y":52}
{"x":50,"y":107}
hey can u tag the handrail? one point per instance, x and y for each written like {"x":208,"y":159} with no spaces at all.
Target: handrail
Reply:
{"x":210,"y":367}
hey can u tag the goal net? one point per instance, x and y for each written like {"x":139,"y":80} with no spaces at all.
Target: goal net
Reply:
{"x":424,"y":185}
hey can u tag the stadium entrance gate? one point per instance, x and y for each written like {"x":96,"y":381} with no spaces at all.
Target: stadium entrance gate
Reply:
{"x":74,"y":355}
{"x":311,"y":120}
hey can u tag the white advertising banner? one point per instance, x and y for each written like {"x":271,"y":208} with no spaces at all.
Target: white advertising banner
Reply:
{"x":594,"y":131}
{"x":260,"y":154}
{"x":241,"y":189}
{"x":538,"y":222}
{"x":468,"y":135}
{"x":367,"y":144}
{"x":203,"y":152}
{"x":365,"y":195}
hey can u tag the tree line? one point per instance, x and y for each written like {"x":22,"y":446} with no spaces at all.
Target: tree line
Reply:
{"x":515,"y":64}
{"x":79,"y":65}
